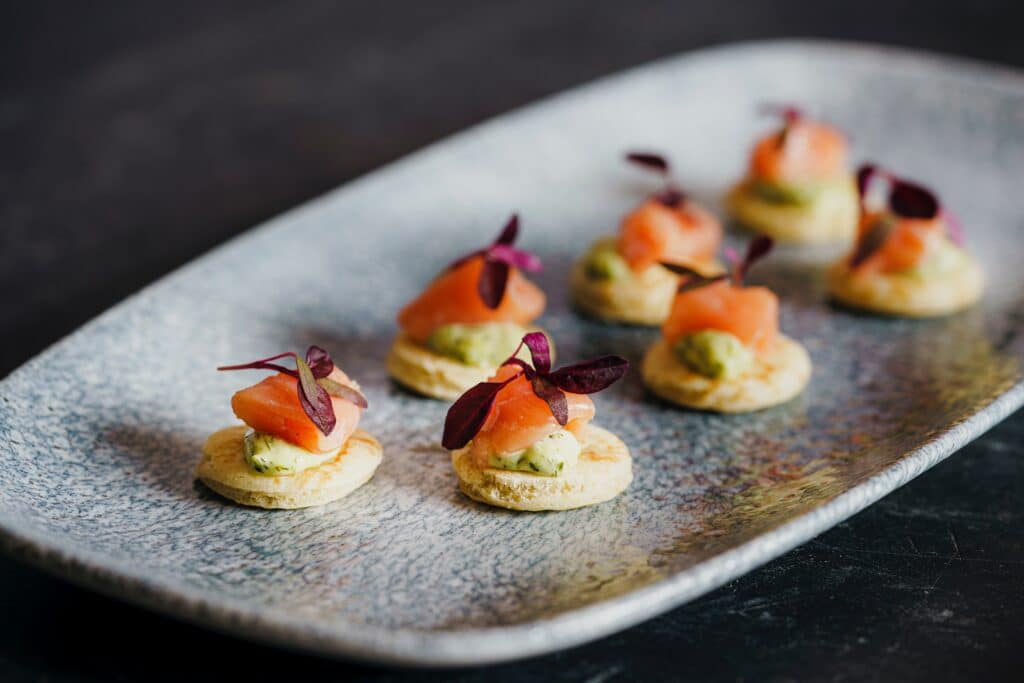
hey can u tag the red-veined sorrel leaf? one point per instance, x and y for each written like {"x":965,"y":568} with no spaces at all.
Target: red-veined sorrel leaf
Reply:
{"x":590,"y":376}
{"x":343,"y":391}
{"x":498,"y":257}
{"x":467,"y":414}
{"x":905,"y":198}
{"x":315,"y":401}
{"x":756,"y":250}
{"x":650,"y":161}
{"x":671,"y":196}
{"x":264,"y":364}
{"x":545,"y":390}
{"x":911,"y":200}
{"x":508,"y":234}
{"x":540,"y":351}
{"x":865,"y":175}
{"x":319,"y":361}
{"x":492,"y":282}
{"x":787,"y":112}
{"x":692,"y":279}
{"x":523,"y":260}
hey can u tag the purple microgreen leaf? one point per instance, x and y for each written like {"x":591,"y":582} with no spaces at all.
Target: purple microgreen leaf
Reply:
{"x":518,"y":258}
{"x":319,"y":361}
{"x":650,"y":161}
{"x":546,"y":391}
{"x":265,"y":364}
{"x":492,"y":282}
{"x":590,"y":376}
{"x":691,"y":284}
{"x":871,"y":242}
{"x":732,"y":256}
{"x":671,"y":196}
{"x":692,"y":278}
{"x":509,"y":232}
{"x":467,"y":415}
{"x":787,"y":112}
{"x":866,"y":174}
{"x":954,"y":228}
{"x":910,"y":200}
{"x":315,"y":401}
{"x":680,"y":269}
{"x":527,"y":368}
{"x":540,"y":351}
{"x":343,"y":391}
{"x":756,"y":250}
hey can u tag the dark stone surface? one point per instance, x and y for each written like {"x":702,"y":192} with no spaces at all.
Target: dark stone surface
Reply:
{"x":135,"y":136}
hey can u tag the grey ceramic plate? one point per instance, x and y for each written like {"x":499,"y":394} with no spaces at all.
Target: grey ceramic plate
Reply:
{"x":99,"y":434}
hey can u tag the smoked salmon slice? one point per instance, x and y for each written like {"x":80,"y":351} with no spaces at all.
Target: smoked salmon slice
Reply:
{"x":272,"y":407}
{"x":518,"y":418}
{"x":453,"y":297}
{"x":750,"y":313}
{"x":656,"y":232}
{"x":907,"y":244}
{"x":809,"y":151}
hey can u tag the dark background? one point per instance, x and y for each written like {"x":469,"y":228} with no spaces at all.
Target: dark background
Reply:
{"x":136,"y":135}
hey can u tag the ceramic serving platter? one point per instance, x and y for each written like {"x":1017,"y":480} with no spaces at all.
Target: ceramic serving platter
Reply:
{"x":99,"y":435}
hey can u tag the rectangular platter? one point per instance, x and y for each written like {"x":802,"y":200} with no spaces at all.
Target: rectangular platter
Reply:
{"x":101,"y":432}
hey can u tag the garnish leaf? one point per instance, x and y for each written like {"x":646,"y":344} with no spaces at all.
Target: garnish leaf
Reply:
{"x":913,"y":201}
{"x":315,"y":401}
{"x":492,"y":282}
{"x":319,"y":361}
{"x":788,"y":112}
{"x":466,"y":416}
{"x":508,"y":234}
{"x":264,"y":364}
{"x":343,"y":391}
{"x":756,"y":250}
{"x":871,"y":242}
{"x":546,"y":390}
{"x":540,"y":351}
{"x":671,"y":196}
{"x":790,"y":115}
{"x":650,"y":161}
{"x":865,"y":174}
{"x":498,"y":257}
{"x":905,"y":198}
{"x":523,"y":260}
{"x":692,"y":279}
{"x":590,"y":376}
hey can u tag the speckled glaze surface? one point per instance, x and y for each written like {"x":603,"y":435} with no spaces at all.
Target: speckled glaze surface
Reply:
{"x":100,"y":434}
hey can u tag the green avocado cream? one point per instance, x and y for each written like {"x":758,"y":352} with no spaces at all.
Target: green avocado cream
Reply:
{"x":714,"y":354}
{"x":944,"y":258}
{"x":549,"y":457}
{"x":603,"y":262}
{"x":482,"y":344}
{"x":799,"y":194}
{"x":272,"y":456}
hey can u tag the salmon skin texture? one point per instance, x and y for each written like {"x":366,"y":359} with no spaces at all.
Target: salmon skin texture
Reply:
{"x":518,"y":418}
{"x":272,"y":407}
{"x":453,"y":298}
{"x":750,"y":313}
{"x":654,"y":232}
